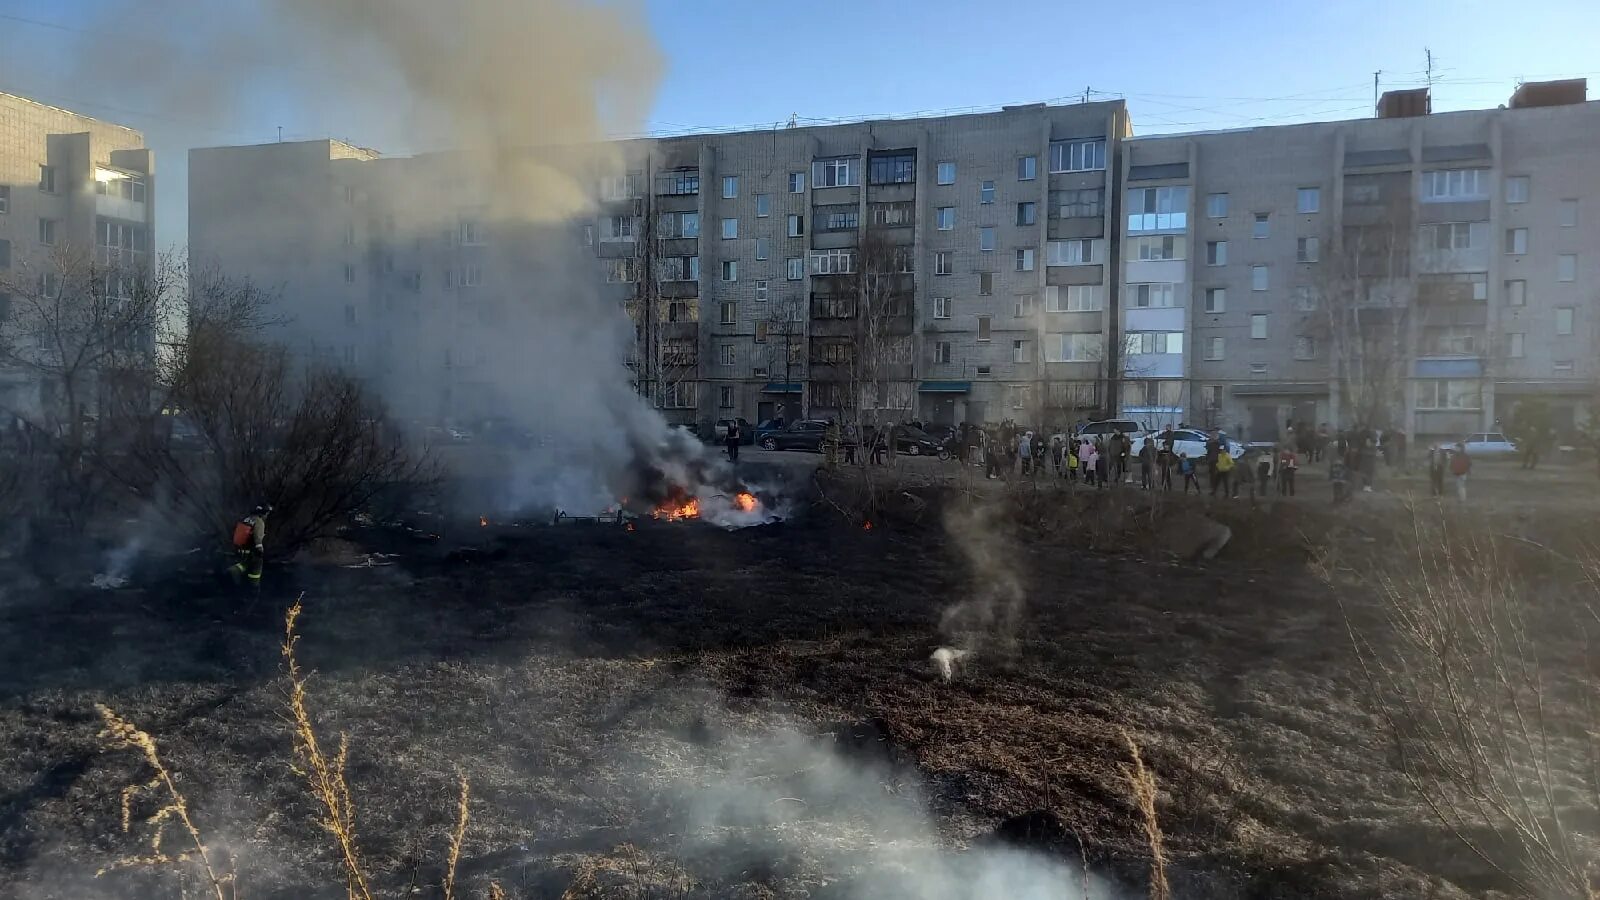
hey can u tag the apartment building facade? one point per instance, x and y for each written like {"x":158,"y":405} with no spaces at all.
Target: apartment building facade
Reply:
{"x":71,"y":188}
{"x":1418,"y":270}
{"x":1036,"y":263}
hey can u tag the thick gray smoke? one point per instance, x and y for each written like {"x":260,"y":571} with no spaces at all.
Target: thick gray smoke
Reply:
{"x":504,"y":107}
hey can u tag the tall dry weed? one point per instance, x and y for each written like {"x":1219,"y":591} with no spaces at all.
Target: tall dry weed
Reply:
{"x":1142,"y":783}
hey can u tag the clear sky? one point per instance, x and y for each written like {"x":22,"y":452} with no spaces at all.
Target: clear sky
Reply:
{"x":1181,"y":65}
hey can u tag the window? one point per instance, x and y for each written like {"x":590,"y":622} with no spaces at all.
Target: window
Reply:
{"x":619,"y":271}
{"x":1567,"y":267}
{"x":1306,"y":249}
{"x":1152,"y":296}
{"x":1024,"y":306}
{"x":730,"y":229}
{"x":616,"y":229}
{"x":1169,"y":246}
{"x":679,"y":268}
{"x":1514,"y":342}
{"x":1214,"y":348}
{"x":1083,"y":203}
{"x":1564,"y":320}
{"x":1566,"y":215}
{"x":725,"y":396}
{"x":1074,"y":298}
{"x":941,"y":307}
{"x":47,"y":232}
{"x":1304,"y":298}
{"x":797,"y":225}
{"x":1211,"y":395}
{"x":1021,"y":395}
{"x":1021,"y":352}
{"x":1516,"y":189}
{"x":5,"y":199}
{"x":1158,"y":209}
{"x":943,"y":262}
{"x":944,"y":218}
{"x":986,"y":192}
{"x":50,"y":284}
{"x":985,"y":326}
{"x":1027,"y":213}
{"x":795,"y":268}
{"x":761,"y":291}
{"x":1455,"y":184}
{"x":1217,"y":206}
{"x":1516,"y":241}
{"x":680,"y":183}
{"x":730,"y":187}
{"x":1216,"y":300}
{"x":729,"y":312}
{"x":730,"y":270}
{"x":683,"y":394}
{"x":1262,"y":227}
{"x":1027,"y":168}
{"x":1516,"y":292}
{"x":1258,"y":326}
{"x":986,"y":238}
{"x":833,"y":262}
{"x":763,"y":247}
{"x":1308,"y":200}
{"x":1216,"y":253}
{"x":797,"y":182}
{"x":1072,"y":346}
{"x":763,"y":205}
{"x":941,"y":352}
{"x":612,"y":187}
{"x":1452,"y":235}
{"x":1258,"y":278}
{"x":679,"y":225}
{"x":471,"y":233}
{"x":1024,"y":259}
{"x":1305,"y":347}
{"x":1561,"y":367}
{"x":350,"y":274}
{"x":1448,"y":394}
{"x":47,"y":179}
{"x":985,"y":284}
{"x":842,"y":172}
{"x":471,"y":276}
{"x":727,"y":355}
{"x":1077,"y":156}
{"x":898,"y":169}
{"x":683,"y":311}
{"x":843,"y":217}
{"x":1145,"y":342}
{"x":947,"y":173}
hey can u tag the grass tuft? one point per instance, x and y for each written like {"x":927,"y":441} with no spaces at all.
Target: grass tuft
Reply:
{"x":1143,"y":784}
{"x":455,"y":843}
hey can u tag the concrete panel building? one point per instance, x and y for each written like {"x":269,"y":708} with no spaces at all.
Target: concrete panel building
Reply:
{"x":70,"y":187}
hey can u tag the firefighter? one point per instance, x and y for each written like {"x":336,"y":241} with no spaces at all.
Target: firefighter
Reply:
{"x":249,"y":540}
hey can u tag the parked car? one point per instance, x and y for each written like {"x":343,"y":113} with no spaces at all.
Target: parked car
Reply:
{"x":914,"y":441}
{"x":1484,"y":443}
{"x":767,"y":426}
{"x":805,"y":434}
{"x":1190,"y":442}
{"x":1107,"y":426}
{"x":747,"y":435}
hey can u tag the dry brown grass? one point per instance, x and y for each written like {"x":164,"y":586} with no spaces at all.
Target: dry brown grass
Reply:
{"x":456,"y":837}
{"x":1143,"y":785}
{"x":120,"y":734}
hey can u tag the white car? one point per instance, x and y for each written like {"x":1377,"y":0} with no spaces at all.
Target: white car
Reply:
{"x":1484,"y":443}
{"x":1188,"y":441}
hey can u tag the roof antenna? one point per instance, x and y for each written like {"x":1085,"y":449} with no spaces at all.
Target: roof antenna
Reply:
{"x":794,"y":121}
{"x":280,"y":134}
{"x":1375,"y":91}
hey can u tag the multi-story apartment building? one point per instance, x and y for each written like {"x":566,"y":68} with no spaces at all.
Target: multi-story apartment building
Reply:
{"x":72,"y":188}
{"x":1416,"y":270}
{"x":1036,"y":263}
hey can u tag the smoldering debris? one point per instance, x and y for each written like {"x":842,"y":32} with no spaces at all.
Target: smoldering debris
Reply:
{"x":948,"y":662}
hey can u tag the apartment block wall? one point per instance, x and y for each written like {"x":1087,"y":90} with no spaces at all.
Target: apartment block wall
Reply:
{"x":74,"y":147}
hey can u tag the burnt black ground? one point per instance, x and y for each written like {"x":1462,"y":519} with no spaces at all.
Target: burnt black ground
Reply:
{"x":572,"y":670}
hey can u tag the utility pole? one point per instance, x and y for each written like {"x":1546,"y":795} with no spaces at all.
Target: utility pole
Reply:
{"x":1375,"y":92}
{"x":1428,"y":53}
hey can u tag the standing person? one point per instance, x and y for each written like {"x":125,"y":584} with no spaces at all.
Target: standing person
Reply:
{"x":731,"y":439}
{"x":852,"y":437}
{"x":1339,"y":476}
{"x":1058,"y":451}
{"x":1186,"y":467}
{"x":1438,"y":459}
{"x":1025,"y":452}
{"x":1125,"y":448}
{"x":1369,"y":464}
{"x":1324,"y":436}
{"x":1072,"y":460}
{"x":1091,"y":461}
{"x":1102,"y":464}
{"x":1222,"y":474}
{"x":249,"y":544}
{"x":1113,"y":451}
{"x":830,"y":445}
{"x":1288,"y":465}
{"x":1213,"y":446}
{"x":1461,"y":467}
{"x":1264,"y":469}
{"x":1147,"y":464}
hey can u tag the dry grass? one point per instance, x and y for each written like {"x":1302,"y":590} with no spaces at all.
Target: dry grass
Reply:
{"x":1143,"y":785}
{"x":120,"y":734}
{"x":456,"y":837}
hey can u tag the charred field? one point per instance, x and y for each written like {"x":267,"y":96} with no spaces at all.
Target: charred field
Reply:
{"x":680,"y":710}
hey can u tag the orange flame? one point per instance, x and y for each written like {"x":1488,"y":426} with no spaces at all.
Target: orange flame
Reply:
{"x":483,"y":521}
{"x":630,"y":526}
{"x":745,"y":501}
{"x":673,"y":512}
{"x":866,"y":526}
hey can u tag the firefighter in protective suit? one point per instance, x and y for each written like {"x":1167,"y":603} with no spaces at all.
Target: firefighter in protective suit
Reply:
{"x":249,"y":541}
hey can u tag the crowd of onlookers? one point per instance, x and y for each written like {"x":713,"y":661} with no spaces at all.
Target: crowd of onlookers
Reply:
{"x":1160,"y":460}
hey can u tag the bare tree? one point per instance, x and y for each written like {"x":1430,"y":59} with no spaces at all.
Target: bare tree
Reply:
{"x":1361,"y":303}
{"x":785,"y":326}
{"x":879,"y":371}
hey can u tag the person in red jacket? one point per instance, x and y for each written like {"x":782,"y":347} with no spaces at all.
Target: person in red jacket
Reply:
{"x":1288,"y":464}
{"x":1460,"y":467}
